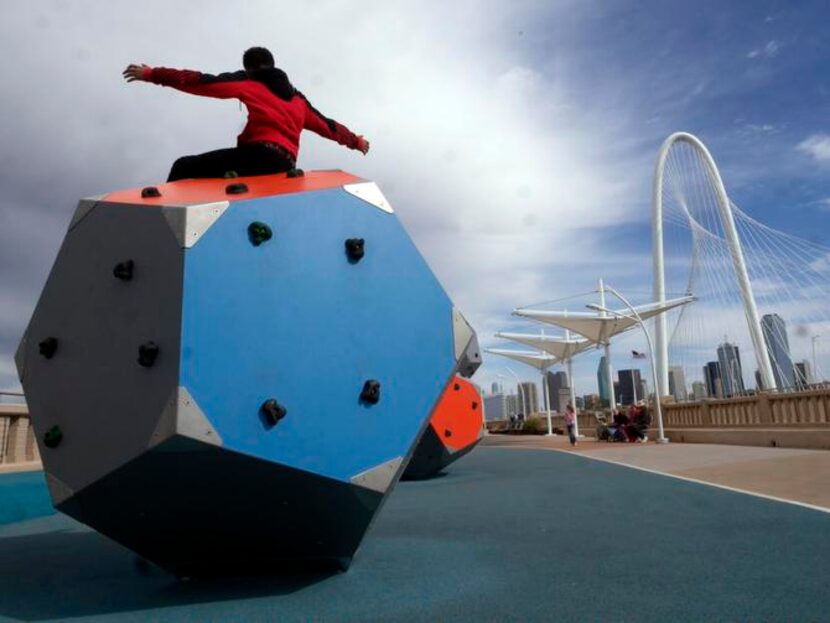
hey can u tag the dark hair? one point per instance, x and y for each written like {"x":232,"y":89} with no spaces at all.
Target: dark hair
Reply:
{"x":257,"y":58}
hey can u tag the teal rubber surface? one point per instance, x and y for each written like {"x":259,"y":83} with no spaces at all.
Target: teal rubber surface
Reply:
{"x":505,"y":535}
{"x":23,"y":495}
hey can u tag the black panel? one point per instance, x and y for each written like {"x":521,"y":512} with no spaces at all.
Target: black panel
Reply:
{"x":197,"y":509}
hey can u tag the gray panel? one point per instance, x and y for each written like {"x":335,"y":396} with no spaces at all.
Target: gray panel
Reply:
{"x":189,"y":223}
{"x":105,"y":403}
{"x":467,"y":353}
{"x":20,"y":356}
{"x":378,"y":478}
{"x":183,"y":416}
{"x":85,"y":206}
{"x":58,"y":490}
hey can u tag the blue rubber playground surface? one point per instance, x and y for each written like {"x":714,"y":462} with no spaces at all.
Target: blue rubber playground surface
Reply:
{"x":505,"y":535}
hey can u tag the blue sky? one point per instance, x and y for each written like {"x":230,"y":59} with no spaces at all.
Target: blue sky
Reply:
{"x":515,"y":140}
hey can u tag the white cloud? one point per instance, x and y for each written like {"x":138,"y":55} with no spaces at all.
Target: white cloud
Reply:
{"x":817,"y":146}
{"x":770,"y":50}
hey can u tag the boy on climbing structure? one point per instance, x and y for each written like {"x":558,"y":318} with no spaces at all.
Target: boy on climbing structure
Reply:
{"x":277,"y":113}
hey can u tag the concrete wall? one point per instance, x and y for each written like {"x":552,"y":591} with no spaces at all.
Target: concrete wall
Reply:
{"x":17,"y":438}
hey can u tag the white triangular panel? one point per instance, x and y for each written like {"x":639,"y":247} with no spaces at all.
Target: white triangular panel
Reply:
{"x":378,"y":478}
{"x":560,"y":347}
{"x":189,"y":223}
{"x":370,"y":193}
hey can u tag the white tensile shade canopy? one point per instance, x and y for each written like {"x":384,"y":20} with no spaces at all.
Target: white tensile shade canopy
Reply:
{"x":540,"y":361}
{"x":598,"y":326}
{"x":560,"y":347}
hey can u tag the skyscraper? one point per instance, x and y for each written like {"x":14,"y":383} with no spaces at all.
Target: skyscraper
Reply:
{"x":528,"y":398}
{"x":495,"y":387}
{"x":712,"y":377}
{"x":778,"y":347}
{"x":699,"y":390}
{"x":732,"y":376}
{"x":630,"y":386}
{"x":602,"y":380}
{"x":559,"y":389}
{"x":495,"y":407}
{"x":677,"y":383}
{"x":803,"y":375}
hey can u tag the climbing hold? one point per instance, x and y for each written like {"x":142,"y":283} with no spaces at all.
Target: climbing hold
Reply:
{"x":355,"y":249}
{"x":52,"y":437}
{"x":447,"y":432}
{"x":236,"y":189}
{"x":124,"y":270}
{"x":147,"y":354}
{"x":371,"y":392}
{"x":272,"y":412}
{"x":258,"y":233}
{"x":295,"y":173}
{"x":48,"y":347}
{"x":456,"y":386}
{"x":150,"y":191}
{"x":229,"y":175}
{"x":475,"y":406}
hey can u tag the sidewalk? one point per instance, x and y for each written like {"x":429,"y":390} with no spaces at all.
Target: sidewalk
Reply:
{"x":801,"y":476}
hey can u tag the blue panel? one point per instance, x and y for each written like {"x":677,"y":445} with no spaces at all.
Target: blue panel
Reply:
{"x":294,"y":320}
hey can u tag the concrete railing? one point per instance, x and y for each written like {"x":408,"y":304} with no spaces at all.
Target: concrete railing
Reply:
{"x":809,"y":408}
{"x":17,"y":437}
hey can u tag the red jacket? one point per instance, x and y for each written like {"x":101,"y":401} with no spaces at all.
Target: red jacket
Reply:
{"x":277,"y":112}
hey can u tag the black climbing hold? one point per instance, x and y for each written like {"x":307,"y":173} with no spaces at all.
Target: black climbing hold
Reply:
{"x":48,"y":347}
{"x":52,"y":437}
{"x":355,"y":249}
{"x":272,"y":412}
{"x":150,"y":191}
{"x":371,"y":392}
{"x":475,"y":406}
{"x":124,"y":270}
{"x":147,"y":354}
{"x":229,"y":175}
{"x":456,"y":387}
{"x":447,"y":432}
{"x":258,"y":233}
{"x":295,"y":173}
{"x":236,"y":189}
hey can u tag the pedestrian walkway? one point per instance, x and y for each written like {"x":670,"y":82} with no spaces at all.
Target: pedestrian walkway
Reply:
{"x":506,"y":535}
{"x":801,"y":476}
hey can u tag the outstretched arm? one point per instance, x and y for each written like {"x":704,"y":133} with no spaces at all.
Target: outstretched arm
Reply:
{"x":330,"y":129}
{"x":195,"y":82}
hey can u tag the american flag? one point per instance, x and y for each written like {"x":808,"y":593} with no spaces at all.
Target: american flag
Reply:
{"x":637,"y":355}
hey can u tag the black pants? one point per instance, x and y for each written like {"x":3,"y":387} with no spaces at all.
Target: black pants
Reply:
{"x":252,"y":159}
{"x":571,"y":434}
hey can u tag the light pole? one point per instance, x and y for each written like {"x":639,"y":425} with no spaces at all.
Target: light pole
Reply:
{"x":661,"y":438}
{"x":519,"y":390}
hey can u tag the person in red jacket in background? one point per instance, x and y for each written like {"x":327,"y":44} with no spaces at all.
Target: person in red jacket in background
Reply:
{"x":277,"y":113}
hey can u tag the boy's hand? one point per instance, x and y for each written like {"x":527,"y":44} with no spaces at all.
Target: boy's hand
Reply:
{"x":362,"y":145}
{"x":135,"y":72}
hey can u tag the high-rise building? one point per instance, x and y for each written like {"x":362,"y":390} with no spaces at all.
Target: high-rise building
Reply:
{"x":602,"y":380}
{"x":495,"y":388}
{"x":630,"y":386}
{"x":699,"y":390}
{"x":712,"y":377}
{"x":803,"y":375}
{"x":560,"y":393}
{"x":495,"y":407}
{"x":512,"y":404}
{"x":778,"y":347}
{"x":642,"y":393}
{"x":732,"y":378}
{"x":677,"y":384}
{"x":528,"y":398}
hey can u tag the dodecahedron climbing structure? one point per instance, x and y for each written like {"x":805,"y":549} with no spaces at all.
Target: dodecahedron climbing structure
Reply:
{"x":230,"y":375}
{"x":455,"y":428}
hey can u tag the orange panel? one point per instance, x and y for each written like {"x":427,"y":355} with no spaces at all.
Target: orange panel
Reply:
{"x":213,"y":189}
{"x":458,"y":413}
